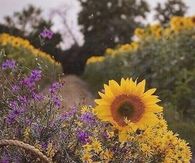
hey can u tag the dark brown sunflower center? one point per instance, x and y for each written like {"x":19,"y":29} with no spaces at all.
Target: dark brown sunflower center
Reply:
{"x":130,"y":107}
{"x":126,"y":110}
{"x":193,"y":20}
{"x":181,"y":23}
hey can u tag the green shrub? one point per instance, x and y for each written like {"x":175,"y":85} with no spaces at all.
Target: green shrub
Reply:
{"x":168,"y":64}
{"x":25,"y":54}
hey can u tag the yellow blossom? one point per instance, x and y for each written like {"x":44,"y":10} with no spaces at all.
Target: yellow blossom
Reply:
{"x":38,"y":146}
{"x":84,"y":109}
{"x":87,"y":147}
{"x":6,"y":39}
{"x":79,"y":123}
{"x":86,"y":158}
{"x":110,"y":51}
{"x":50,"y":150}
{"x":106,"y":155}
{"x":95,"y":59}
{"x":110,"y":134}
{"x":147,"y":151}
{"x":139,"y":32}
{"x":96,"y":146}
{"x":27,"y":133}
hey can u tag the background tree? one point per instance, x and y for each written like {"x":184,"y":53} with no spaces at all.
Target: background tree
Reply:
{"x":25,"y":20}
{"x":29,"y":23}
{"x":104,"y":24}
{"x":109,"y":22}
{"x":170,"y":8}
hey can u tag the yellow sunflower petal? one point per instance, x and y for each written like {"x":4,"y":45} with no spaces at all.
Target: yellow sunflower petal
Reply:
{"x":155,"y":109}
{"x":148,"y":100}
{"x":115,"y":88}
{"x":127,"y":100}
{"x":124,"y":86}
{"x":108,"y":91}
{"x":105,"y":97}
{"x":102,"y":102}
{"x":150,"y":91}
{"x":141,"y":87}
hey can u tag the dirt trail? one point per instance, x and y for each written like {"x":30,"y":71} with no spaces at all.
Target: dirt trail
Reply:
{"x":75,"y":91}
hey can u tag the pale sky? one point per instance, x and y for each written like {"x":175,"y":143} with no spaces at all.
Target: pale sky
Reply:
{"x":8,"y":7}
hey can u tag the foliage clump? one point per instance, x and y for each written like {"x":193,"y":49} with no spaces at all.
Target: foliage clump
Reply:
{"x":75,"y":135}
{"x":165,"y":57}
{"x":30,"y":57}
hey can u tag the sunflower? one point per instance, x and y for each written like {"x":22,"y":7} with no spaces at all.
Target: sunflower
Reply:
{"x":127,"y":101}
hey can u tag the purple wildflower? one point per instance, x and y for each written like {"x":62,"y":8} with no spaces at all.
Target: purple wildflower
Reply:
{"x":34,"y":77}
{"x":28,"y":83}
{"x":88,"y":118}
{"x":68,"y":115}
{"x":22,"y":100}
{"x":105,"y":135}
{"x":13,"y":104}
{"x":46,"y":33}
{"x":8,"y":64}
{"x":44,"y":145}
{"x":55,"y":87}
{"x":56,"y":100}
{"x":37,"y":96}
{"x":63,"y":117}
{"x":16,"y":108}
{"x":13,"y":114}
{"x":28,"y":121}
{"x":83,"y":137}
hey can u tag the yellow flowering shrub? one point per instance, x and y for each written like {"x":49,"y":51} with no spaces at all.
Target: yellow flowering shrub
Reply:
{"x":123,"y":138}
{"x":177,"y":24}
{"x":126,"y":48}
{"x":95,"y":59}
{"x":120,"y":128}
{"x":154,"y":143}
{"x":26,"y":54}
{"x":6,"y":39}
{"x":165,"y":57}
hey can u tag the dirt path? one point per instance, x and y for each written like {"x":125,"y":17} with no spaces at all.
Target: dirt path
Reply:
{"x":75,"y":91}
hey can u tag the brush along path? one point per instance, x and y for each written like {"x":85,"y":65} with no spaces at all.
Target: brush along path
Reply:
{"x":75,"y":91}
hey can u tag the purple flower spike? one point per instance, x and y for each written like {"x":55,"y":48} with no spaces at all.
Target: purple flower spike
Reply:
{"x":13,"y":114}
{"x":34,"y":77}
{"x":56,"y":101}
{"x":13,"y":104}
{"x":37,"y":96}
{"x":9,"y":64}
{"x":83,"y":137}
{"x":105,"y":135}
{"x":23,"y":100}
{"x":46,"y":33}
{"x":55,"y":87}
{"x":88,"y":118}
